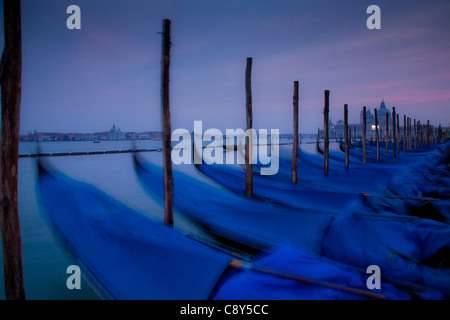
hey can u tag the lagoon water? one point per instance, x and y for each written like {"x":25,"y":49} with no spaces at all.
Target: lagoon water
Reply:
{"x":45,"y":258}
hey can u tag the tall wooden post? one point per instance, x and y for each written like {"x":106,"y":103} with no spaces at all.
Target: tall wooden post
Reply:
{"x":346,"y":136}
{"x":325,"y":131}
{"x":398,"y":133}
{"x":317,"y":140}
{"x":11,"y":85}
{"x":249,"y":138}
{"x":428,"y":133}
{"x":295,"y":142}
{"x":387,"y":132}
{"x":377,"y":138}
{"x":166,"y":130}
{"x":409,"y":133}
{"x":394,"y":135}
{"x":364,"y":137}
{"x":406,"y":135}
{"x":415,"y":135}
{"x":404,"y":132}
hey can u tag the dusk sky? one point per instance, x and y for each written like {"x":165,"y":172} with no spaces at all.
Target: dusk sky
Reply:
{"x":109,"y":71}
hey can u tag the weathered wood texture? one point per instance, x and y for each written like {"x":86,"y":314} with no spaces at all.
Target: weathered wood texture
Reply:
{"x":166,"y":128}
{"x":387,"y":133}
{"x":295,"y":129}
{"x":249,"y":140}
{"x":394,"y":135}
{"x":326,"y":142}
{"x":11,"y":79}
{"x":364,"y":136}
{"x":346,"y":137}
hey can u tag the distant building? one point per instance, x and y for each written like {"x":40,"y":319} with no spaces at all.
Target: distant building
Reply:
{"x":113,"y":134}
{"x":91,"y":137}
{"x":356,"y":130}
{"x":45,"y":138}
{"x":370,"y":118}
{"x":143,"y":136}
{"x":381,"y":115}
{"x":116,"y":134}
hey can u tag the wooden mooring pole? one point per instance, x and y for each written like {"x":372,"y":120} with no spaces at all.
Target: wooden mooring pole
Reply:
{"x":166,"y":129}
{"x":423,"y":136}
{"x":249,"y":137}
{"x":317,"y":140}
{"x":295,"y":129}
{"x":415,"y":135}
{"x":364,"y":136}
{"x":428,"y":133}
{"x":326,"y":142}
{"x":422,"y":132}
{"x":419,"y":133}
{"x":387,"y":132}
{"x":377,"y":138}
{"x":398,"y":134}
{"x":404,"y":132}
{"x":346,"y":137}
{"x":409,"y":134}
{"x":11,"y":87}
{"x":394,"y":135}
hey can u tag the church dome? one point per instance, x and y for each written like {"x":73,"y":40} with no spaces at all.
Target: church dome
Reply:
{"x":383,"y":110}
{"x":370,"y":118}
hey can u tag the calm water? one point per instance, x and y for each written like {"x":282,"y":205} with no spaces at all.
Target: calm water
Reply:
{"x":45,"y":258}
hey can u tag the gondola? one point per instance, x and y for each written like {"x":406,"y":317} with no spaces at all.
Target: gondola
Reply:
{"x":420,"y":188}
{"x":399,"y":194}
{"x":405,"y":248}
{"x":129,"y":256}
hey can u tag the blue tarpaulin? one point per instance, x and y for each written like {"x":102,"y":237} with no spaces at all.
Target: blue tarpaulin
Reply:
{"x":131,"y":257}
{"x":398,"y":244}
{"x":255,"y":285}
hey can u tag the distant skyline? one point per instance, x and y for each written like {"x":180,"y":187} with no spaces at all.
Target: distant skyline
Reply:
{"x":109,"y":71}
